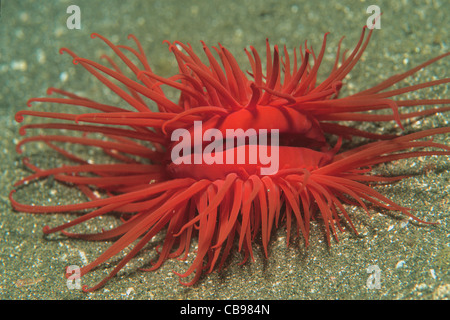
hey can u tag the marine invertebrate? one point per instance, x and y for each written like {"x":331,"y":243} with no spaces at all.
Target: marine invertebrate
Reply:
{"x":159,"y":181}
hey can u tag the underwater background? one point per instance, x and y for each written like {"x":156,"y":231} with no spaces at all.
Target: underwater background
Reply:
{"x":413,"y":260}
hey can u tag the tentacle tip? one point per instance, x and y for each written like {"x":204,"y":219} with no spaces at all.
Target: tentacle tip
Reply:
{"x":46,"y":230}
{"x":29,"y":102}
{"x":186,"y":284}
{"x":163,"y":129}
{"x":306,"y":243}
{"x":140,"y":74}
{"x":86,"y":289}
{"x":18,"y":117}
{"x":181,"y":275}
{"x":22,"y":130}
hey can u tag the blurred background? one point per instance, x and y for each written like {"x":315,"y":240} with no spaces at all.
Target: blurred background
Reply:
{"x":413,"y":259}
